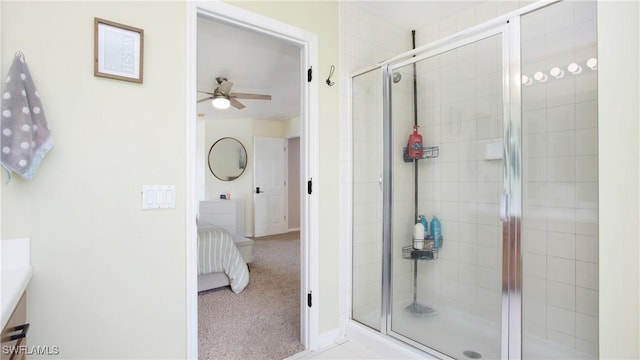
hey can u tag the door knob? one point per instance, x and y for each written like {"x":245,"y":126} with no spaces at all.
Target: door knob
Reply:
{"x":258,"y":190}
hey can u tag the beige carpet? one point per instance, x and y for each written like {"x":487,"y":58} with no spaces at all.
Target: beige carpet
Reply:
{"x":263,"y":321}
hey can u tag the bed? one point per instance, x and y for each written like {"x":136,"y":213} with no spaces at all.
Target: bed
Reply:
{"x":223,"y":258}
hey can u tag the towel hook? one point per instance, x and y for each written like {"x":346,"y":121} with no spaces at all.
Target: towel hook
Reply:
{"x":20,"y":54}
{"x":329,"y":82}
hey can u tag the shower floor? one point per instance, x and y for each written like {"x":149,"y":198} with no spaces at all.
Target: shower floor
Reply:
{"x":452,"y":332}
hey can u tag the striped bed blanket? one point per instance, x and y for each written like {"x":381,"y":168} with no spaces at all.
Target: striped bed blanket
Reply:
{"x":218,"y":253}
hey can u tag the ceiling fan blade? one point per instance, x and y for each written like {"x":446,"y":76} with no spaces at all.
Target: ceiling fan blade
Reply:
{"x":205,"y":99}
{"x":237,"y":104}
{"x":225,"y":86}
{"x":206,"y":92}
{"x":250,"y":96}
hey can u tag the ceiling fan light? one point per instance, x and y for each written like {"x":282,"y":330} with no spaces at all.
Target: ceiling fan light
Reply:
{"x":220,"y":102}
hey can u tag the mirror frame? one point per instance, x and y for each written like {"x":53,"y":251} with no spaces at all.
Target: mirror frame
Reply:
{"x":245,"y":156}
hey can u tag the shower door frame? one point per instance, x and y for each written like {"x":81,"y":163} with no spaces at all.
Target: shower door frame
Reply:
{"x":510,"y":205}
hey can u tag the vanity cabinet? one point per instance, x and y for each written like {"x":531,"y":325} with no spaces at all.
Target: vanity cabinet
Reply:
{"x":228,"y":214}
{"x":14,"y":335}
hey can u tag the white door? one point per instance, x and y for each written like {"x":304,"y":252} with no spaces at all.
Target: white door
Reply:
{"x":270,"y":187}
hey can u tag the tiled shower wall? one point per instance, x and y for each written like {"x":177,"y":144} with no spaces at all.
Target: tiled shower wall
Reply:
{"x":459,"y":109}
{"x":560,"y":176}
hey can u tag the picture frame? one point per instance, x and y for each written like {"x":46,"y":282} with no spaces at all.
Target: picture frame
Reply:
{"x":118,"y":51}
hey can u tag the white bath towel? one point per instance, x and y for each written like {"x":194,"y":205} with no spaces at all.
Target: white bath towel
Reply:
{"x":26,"y":137}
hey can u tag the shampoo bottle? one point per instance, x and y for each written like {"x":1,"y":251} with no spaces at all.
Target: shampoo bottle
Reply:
{"x":436,"y":232}
{"x":414,"y":147}
{"x":418,"y":236}
{"x":423,"y":220}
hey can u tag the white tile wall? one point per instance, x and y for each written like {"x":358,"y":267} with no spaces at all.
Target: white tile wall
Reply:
{"x":460,"y":186}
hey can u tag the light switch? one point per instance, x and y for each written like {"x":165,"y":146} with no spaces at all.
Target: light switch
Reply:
{"x":158,"y":197}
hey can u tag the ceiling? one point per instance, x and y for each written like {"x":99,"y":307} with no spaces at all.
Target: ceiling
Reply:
{"x":254,"y":63}
{"x":257,"y":63}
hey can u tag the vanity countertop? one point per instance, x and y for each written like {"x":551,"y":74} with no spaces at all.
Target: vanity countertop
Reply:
{"x":16,"y":274}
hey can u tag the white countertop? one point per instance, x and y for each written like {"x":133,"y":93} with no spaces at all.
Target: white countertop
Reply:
{"x":16,"y":274}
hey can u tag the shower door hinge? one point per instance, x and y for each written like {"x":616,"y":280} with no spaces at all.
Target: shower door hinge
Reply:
{"x":309,"y":76}
{"x":310,"y":186}
{"x":309,"y":299}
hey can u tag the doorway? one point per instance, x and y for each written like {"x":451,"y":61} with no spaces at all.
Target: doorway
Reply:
{"x":307,"y":44}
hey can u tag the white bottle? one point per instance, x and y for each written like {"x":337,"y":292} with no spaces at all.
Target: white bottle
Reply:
{"x":418,"y":236}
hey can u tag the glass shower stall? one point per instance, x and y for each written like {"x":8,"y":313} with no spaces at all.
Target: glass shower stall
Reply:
{"x":508,"y":117}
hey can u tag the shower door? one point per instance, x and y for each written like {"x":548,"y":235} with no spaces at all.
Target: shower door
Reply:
{"x":366,"y":251}
{"x":449,"y":301}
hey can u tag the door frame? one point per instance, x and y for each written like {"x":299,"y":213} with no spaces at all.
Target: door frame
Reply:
{"x":309,"y":216}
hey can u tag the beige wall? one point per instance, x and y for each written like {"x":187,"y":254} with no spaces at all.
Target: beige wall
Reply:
{"x":618,"y":116}
{"x":109,"y":278}
{"x":321,"y":18}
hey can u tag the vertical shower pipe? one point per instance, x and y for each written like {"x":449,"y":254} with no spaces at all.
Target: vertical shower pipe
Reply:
{"x":415,"y":122}
{"x":415,"y":168}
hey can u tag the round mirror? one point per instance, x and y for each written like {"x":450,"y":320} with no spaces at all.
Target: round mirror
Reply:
{"x":227,"y":159}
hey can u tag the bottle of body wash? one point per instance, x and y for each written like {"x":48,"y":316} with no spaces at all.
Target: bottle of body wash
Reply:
{"x":418,"y":236}
{"x":436,"y":232}
{"x":424,"y":222}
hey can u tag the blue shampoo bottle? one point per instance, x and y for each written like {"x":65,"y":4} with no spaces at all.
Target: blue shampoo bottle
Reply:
{"x":436,"y":232}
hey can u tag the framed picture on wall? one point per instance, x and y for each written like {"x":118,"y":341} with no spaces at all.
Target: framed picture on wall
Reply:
{"x":118,"y":51}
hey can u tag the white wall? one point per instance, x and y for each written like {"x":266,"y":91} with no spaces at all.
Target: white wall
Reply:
{"x":244,"y":130}
{"x":293,"y":183}
{"x":108,"y":277}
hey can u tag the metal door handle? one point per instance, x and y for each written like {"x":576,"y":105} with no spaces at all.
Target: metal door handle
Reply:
{"x":380,"y":181}
{"x":504,"y":207}
{"x":24,"y":328}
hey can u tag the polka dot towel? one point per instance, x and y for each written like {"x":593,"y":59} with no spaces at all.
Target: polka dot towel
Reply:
{"x":24,"y":135}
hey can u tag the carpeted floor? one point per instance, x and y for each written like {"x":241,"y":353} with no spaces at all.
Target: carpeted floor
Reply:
{"x":263,"y":321}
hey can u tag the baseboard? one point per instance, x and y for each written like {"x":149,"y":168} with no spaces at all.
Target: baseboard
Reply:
{"x":293,"y":229}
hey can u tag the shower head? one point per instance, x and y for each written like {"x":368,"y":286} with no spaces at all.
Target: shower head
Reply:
{"x":396,"y":77}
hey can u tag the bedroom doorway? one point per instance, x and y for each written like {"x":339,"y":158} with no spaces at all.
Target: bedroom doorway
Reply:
{"x":308,"y":164}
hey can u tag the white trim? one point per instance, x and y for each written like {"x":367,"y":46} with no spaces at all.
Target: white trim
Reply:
{"x":191,"y":211}
{"x":309,"y":245}
{"x":309,"y":218}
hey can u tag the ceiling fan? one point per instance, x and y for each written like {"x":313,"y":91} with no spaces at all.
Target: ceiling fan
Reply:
{"x":222,"y":96}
